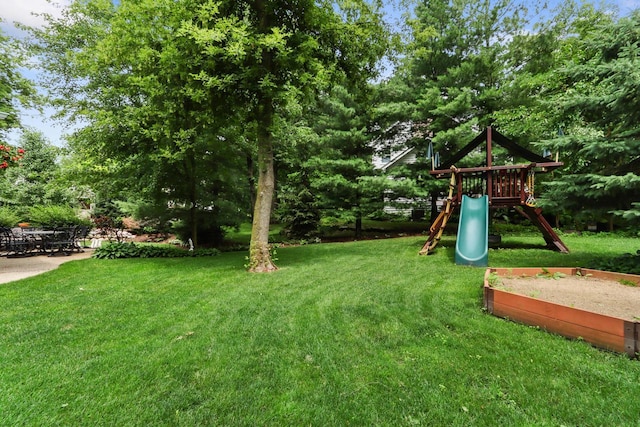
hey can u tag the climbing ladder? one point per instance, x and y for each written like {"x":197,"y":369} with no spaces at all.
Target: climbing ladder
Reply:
{"x":438,"y":226}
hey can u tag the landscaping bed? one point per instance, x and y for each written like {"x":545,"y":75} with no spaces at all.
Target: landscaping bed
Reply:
{"x":603,"y":308}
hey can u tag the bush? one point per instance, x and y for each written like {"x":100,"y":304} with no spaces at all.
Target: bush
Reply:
{"x":8,"y":217}
{"x":298,"y":211}
{"x":132,"y":250}
{"x":626,"y":263}
{"x":52,"y":216}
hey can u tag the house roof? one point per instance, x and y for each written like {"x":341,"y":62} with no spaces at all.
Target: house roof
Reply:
{"x":397,"y":158}
{"x":395,"y":138}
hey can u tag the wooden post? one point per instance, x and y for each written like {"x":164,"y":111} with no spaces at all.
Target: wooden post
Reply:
{"x":523,"y":182}
{"x":489,"y":165}
{"x":632,"y":338}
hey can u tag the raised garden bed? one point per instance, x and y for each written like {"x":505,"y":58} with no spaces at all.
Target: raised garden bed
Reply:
{"x":602,"y":308}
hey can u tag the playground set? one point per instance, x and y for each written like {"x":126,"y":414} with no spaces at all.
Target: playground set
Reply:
{"x":475,"y":190}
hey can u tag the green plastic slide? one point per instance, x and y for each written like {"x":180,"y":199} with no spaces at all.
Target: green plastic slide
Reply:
{"x":472,"y":243}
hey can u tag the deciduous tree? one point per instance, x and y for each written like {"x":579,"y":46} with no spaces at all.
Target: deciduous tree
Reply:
{"x":15,"y":91}
{"x":162,"y":82}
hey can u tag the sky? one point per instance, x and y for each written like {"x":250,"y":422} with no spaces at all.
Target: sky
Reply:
{"x":22,"y":11}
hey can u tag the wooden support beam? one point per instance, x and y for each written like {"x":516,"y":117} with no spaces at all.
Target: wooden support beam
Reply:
{"x":540,"y":167}
{"x":550,"y":236}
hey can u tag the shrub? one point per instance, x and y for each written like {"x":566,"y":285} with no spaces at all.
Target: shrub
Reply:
{"x":626,"y":263}
{"x":132,"y":250}
{"x":52,"y":216}
{"x":8,"y":217}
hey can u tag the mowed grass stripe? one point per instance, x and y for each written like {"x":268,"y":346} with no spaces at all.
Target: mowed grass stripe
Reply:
{"x":364,"y":333}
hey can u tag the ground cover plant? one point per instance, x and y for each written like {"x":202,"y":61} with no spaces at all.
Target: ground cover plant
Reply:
{"x":361,"y":333}
{"x":114,"y":250}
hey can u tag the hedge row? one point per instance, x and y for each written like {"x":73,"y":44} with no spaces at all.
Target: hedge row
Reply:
{"x":133,"y":250}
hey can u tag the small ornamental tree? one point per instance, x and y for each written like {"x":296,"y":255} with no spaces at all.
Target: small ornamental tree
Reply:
{"x":10,"y":156}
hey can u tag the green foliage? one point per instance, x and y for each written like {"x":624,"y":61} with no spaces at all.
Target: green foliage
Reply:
{"x":594,"y":109}
{"x":36,"y":181}
{"x":339,"y":174}
{"x":132,"y":250}
{"x":534,"y":58}
{"x":456,"y":71}
{"x":459,"y":70}
{"x":15,"y":89}
{"x":8,"y":217}
{"x":631,"y":215}
{"x":110,"y":210}
{"x":174,"y":111}
{"x":568,"y":87}
{"x":548,"y":275}
{"x":493,"y":279}
{"x":626,"y":263}
{"x":298,"y":208}
{"x":52,"y":216}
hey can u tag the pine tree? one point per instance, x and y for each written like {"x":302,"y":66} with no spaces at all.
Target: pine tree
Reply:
{"x":341,"y":173}
{"x":601,"y":142}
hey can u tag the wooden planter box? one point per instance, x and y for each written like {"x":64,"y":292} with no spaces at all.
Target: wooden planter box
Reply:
{"x":602,"y":331}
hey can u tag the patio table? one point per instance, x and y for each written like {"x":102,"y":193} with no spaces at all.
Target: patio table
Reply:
{"x":62,"y":241}
{"x":40,"y":238}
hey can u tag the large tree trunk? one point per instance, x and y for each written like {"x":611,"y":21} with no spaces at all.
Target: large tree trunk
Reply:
{"x":251,"y":181}
{"x":259,"y":250}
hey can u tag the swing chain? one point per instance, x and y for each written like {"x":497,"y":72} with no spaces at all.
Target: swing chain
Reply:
{"x":529,"y":188}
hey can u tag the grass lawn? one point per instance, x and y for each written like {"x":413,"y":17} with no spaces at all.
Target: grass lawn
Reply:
{"x":363,"y":333}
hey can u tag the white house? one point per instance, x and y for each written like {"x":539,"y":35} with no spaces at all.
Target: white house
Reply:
{"x":392,"y":149}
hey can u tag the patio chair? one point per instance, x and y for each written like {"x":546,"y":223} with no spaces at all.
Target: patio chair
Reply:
{"x":81,"y":233}
{"x":4,"y":241}
{"x":15,"y":244}
{"x":62,"y":241}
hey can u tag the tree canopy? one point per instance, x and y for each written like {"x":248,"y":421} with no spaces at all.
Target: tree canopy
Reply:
{"x":34,"y":181}
{"x":176,"y":89}
{"x":206,"y":114}
{"x":15,"y":91}
{"x":600,"y":134}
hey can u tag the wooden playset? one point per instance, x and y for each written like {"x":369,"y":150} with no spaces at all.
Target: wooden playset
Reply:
{"x":500,"y":186}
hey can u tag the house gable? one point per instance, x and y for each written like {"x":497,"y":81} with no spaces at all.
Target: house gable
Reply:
{"x":391,"y":148}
